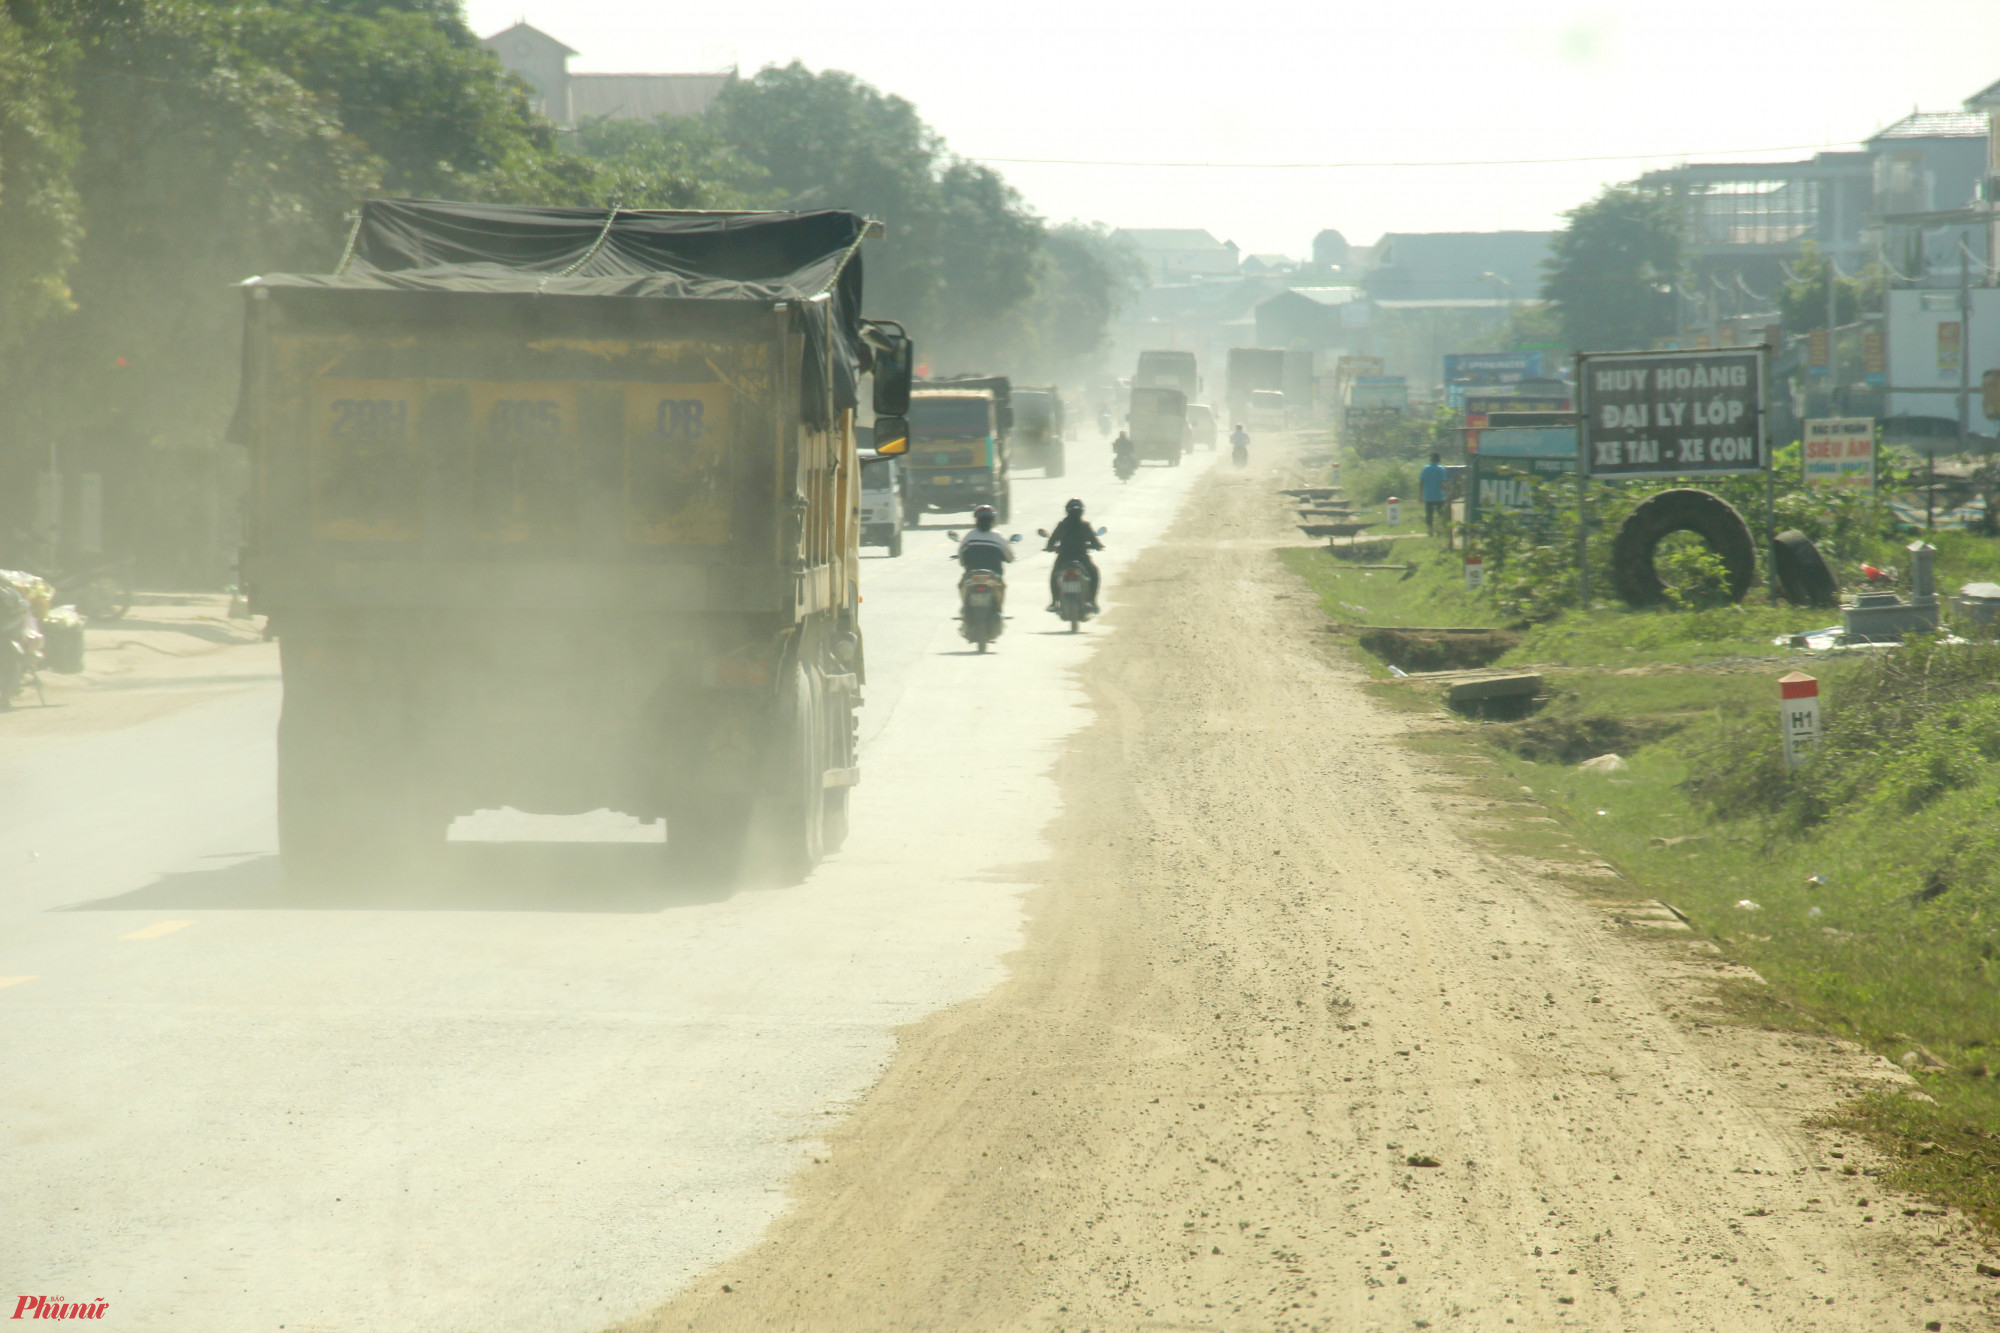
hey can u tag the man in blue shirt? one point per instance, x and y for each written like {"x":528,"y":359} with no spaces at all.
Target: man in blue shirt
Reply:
{"x":1432,"y":479}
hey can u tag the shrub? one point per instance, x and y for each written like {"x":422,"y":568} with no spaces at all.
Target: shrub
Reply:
{"x":1901,"y":730}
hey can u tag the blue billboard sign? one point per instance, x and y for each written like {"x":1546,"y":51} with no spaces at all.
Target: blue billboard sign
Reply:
{"x":1492,"y":367}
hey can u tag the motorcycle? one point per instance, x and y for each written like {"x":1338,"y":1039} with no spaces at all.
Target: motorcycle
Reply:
{"x":1125,"y":464}
{"x":1239,"y":453}
{"x":20,"y":641}
{"x":1072,"y":589}
{"x":982,"y":602}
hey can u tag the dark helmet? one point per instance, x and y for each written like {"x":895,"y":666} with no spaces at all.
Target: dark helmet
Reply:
{"x":984,"y":516}
{"x":1074,"y":509}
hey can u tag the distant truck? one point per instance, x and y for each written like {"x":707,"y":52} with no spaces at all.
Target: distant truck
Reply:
{"x":1038,"y":440}
{"x":960,"y":434}
{"x":1159,"y":425}
{"x":1164,"y":368}
{"x":554,"y":508}
{"x":1267,"y":409}
{"x":1251,"y":370}
{"x":881,"y":505}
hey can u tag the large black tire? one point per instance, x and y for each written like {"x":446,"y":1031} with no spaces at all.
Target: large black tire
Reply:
{"x":1802,"y":573}
{"x":1003,"y":504}
{"x":795,"y":806}
{"x":1055,"y":463}
{"x":1684,"y":509}
{"x":895,"y":542}
{"x":11,"y":674}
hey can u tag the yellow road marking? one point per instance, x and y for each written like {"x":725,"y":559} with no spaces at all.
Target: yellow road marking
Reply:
{"x":157,"y":929}
{"x":14,"y":981}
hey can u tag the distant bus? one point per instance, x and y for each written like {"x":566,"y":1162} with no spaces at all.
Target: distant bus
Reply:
{"x":1159,"y":425}
{"x":1167,"y":369}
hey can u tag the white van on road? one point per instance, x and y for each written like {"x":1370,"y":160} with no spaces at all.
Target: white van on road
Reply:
{"x":882,"y":505}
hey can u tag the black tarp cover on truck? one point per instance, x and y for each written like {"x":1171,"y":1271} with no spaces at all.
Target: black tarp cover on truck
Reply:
{"x":430,"y":246}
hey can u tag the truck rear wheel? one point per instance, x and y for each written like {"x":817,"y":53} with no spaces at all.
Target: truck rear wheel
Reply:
{"x":794,"y":823}
{"x":1003,"y":503}
{"x":1055,"y":467}
{"x":895,"y":542}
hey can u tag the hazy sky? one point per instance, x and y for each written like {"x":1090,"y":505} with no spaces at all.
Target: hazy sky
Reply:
{"x":1331,"y":82}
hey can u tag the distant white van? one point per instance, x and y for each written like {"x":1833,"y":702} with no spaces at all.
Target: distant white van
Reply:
{"x":1201,"y":424}
{"x":882,"y":505}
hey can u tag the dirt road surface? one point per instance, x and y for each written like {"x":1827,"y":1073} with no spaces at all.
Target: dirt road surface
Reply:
{"x":1285,"y":1050}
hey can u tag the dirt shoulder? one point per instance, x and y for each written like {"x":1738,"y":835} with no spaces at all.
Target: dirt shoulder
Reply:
{"x":170,"y":651}
{"x":1290,"y":1047}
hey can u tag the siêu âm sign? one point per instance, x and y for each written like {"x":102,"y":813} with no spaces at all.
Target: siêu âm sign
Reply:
{"x":1671,"y":414}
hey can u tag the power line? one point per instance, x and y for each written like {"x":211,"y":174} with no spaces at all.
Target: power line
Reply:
{"x":1340,"y":166}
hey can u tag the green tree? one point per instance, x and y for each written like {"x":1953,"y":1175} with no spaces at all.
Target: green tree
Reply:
{"x":39,"y":218}
{"x":668,"y":162}
{"x":1612,"y":276}
{"x":409,"y":80}
{"x":1802,"y":300}
{"x":962,"y":247}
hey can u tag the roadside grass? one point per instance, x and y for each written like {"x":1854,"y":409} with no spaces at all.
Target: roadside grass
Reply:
{"x":1845,"y":919}
{"x":1433,"y":596}
{"x":1836,"y":921}
{"x":1615,"y":636}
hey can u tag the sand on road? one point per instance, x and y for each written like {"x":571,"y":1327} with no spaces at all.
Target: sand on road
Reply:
{"x":1285,"y":1051}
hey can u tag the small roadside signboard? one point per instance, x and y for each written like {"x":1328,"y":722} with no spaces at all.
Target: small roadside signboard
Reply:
{"x":1475,"y":573}
{"x":1840,"y":451}
{"x":1503,"y":465}
{"x":1672,"y":414}
{"x":1798,"y":716}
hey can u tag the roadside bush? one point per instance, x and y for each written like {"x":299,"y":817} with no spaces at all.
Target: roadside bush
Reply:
{"x":1694,"y":575}
{"x":1410,"y":437}
{"x":1375,"y":481}
{"x":1899,"y":731}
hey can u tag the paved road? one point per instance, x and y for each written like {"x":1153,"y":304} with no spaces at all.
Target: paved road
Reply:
{"x":537,"y":1095}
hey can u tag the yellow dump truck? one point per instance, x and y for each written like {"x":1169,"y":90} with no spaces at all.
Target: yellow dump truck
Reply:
{"x":553,"y":508}
{"x":959,"y":459}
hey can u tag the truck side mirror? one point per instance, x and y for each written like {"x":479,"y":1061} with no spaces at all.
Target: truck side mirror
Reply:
{"x":892,"y":434}
{"x":895,"y":359}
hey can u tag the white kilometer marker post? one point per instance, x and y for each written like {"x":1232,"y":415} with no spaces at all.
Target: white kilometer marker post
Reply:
{"x":1475,"y":573}
{"x":1798,"y":716}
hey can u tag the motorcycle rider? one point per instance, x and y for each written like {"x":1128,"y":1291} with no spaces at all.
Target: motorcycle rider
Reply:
{"x":1072,"y":539}
{"x":1122,"y":446}
{"x":983,"y":548}
{"x":1239,"y":438}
